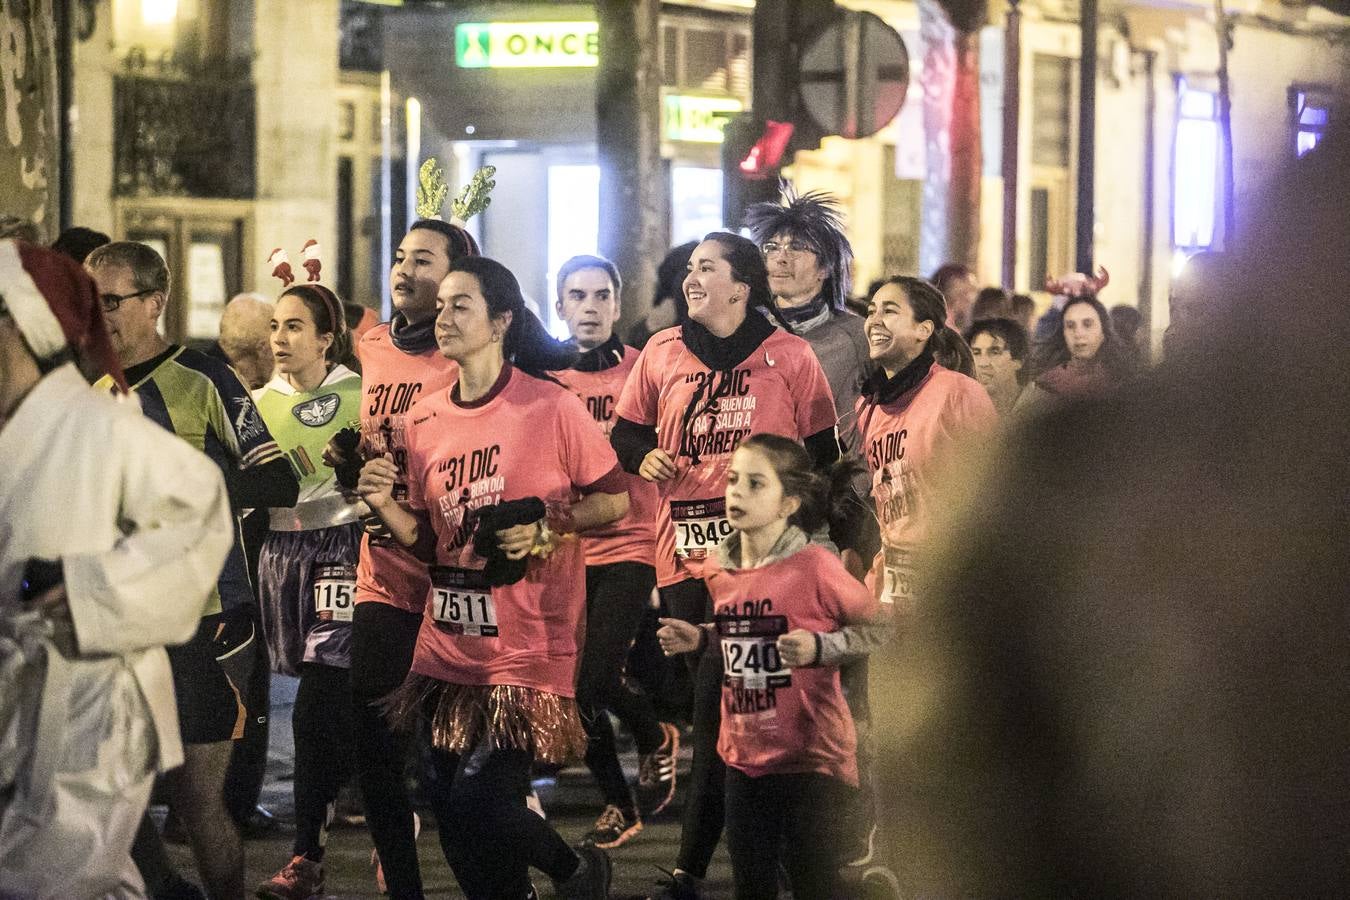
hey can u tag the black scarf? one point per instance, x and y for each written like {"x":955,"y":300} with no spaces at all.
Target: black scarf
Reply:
{"x":606,"y":356}
{"x":880,"y":389}
{"x":410,"y":338}
{"x":721,"y":355}
{"x":796,"y":315}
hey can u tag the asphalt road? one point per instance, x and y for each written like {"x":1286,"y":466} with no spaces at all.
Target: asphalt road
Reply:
{"x":572,"y":803}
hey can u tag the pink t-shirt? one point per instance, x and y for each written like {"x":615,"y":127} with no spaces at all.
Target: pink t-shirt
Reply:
{"x":391,"y":381}
{"x":777,"y":720}
{"x":529,"y":438}
{"x":779,"y":389}
{"x":901,"y":442}
{"x":632,"y":538}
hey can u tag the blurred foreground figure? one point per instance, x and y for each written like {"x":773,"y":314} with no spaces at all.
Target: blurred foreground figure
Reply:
{"x":113,"y":534}
{"x":1132,"y":677}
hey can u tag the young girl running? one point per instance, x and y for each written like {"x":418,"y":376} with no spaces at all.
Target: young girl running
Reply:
{"x":307,"y":569}
{"x":787,"y":735}
{"x":912,"y":413}
{"x":399,"y":364}
{"x":502,"y":469}
{"x":697,"y":391}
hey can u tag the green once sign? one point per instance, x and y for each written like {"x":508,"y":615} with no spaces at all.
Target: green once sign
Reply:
{"x":522,"y":45}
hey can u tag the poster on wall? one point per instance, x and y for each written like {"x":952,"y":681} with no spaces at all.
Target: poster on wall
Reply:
{"x":28,"y":87}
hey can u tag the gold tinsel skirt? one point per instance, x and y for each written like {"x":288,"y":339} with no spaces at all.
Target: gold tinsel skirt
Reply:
{"x":461,"y":716}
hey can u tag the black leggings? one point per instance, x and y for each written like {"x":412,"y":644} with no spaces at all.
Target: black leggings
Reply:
{"x":323,"y":724}
{"x":489,"y":836}
{"x":616,"y":598}
{"x":705,"y":802}
{"x":383,"y":640}
{"x":797,"y":820}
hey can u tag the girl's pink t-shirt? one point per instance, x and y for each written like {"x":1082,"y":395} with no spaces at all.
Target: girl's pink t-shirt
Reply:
{"x":777,"y":720}
{"x":779,"y":389}
{"x":902,"y":443}
{"x":632,"y":538}
{"x":530,"y":438}
{"x":391,"y":381}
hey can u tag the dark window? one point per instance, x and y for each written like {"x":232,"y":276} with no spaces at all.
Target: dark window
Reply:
{"x":1040,"y":235}
{"x":1051,"y":96}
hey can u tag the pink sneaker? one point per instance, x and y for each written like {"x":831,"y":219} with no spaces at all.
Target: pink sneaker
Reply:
{"x":301,"y":879}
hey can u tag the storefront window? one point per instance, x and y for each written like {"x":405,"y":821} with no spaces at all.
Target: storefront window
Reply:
{"x":1195,"y":168}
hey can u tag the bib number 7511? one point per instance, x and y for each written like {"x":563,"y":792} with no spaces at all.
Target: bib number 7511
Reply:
{"x":461,"y":602}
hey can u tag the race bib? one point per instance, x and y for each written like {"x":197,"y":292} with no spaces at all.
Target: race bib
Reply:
{"x":898,"y":578}
{"x":461,"y":602}
{"x":335,"y":593}
{"x":750,"y":657}
{"x":700,"y":525}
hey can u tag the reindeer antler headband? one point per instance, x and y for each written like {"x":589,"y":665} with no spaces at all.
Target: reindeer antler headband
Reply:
{"x":432,"y":189}
{"x":312,"y":262}
{"x":1076,"y":284}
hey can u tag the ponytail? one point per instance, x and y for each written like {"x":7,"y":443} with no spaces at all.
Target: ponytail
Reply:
{"x":951,"y":351}
{"x":826,"y":499}
{"x":527,"y":344}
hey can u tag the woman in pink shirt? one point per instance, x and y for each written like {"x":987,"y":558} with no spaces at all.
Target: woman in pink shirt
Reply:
{"x":504,"y":468}
{"x":786,"y":735}
{"x":697,"y":391}
{"x":1085,"y":358}
{"x":912,"y":413}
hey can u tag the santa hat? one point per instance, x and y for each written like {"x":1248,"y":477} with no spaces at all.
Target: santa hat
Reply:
{"x":56,"y":306}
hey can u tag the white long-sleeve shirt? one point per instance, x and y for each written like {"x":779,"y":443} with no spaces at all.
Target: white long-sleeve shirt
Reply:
{"x":140,"y":521}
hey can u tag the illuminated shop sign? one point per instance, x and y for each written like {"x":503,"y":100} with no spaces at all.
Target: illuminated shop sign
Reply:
{"x":698,"y":119}
{"x":526,"y":45}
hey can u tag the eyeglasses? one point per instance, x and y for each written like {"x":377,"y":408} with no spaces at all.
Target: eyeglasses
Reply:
{"x":792,"y":249}
{"x":112,"y":301}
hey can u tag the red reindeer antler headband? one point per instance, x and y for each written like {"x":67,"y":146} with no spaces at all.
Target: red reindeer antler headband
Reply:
{"x":1076,"y":284}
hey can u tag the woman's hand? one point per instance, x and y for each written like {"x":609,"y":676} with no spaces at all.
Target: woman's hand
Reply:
{"x":657,"y":466}
{"x":519,"y":540}
{"x":376,"y":485}
{"x":678,"y":636}
{"x":797,"y":648}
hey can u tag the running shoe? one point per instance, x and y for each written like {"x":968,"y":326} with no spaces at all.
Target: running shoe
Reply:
{"x":676,"y":886}
{"x":612,"y":829}
{"x":300,"y":880}
{"x":375,"y":857}
{"x":879,"y":883}
{"x":591,"y":879}
{"x":656,"y":773}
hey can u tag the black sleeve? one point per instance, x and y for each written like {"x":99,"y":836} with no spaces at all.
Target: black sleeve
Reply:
{"x":823,"y":447}
{"x":632,"y":442}
{"x":270,"y":484}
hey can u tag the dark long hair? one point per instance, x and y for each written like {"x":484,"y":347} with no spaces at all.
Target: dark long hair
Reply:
{"x":927,"y":304}
{"x":329,"y":318}
{"x":1113,"y":354}
{"x":527,"y":344}
{"x":747,"y":267}
{"x":827,"y":498}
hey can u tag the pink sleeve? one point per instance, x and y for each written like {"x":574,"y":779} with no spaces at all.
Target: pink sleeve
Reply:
{"x":814,"y":403}
{"x":637,"y":402}
{"x":845,"y":597}
{"x":971,"y":409}
{"x":583,"y":449}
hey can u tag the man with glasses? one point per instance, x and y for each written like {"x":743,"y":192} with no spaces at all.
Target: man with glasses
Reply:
{"x":202,"y":401}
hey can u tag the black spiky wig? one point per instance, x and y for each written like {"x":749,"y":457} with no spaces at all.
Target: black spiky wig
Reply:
{"x":813,"y":219}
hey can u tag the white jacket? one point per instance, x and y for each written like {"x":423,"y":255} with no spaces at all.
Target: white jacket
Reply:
{"x":141,"y":523}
